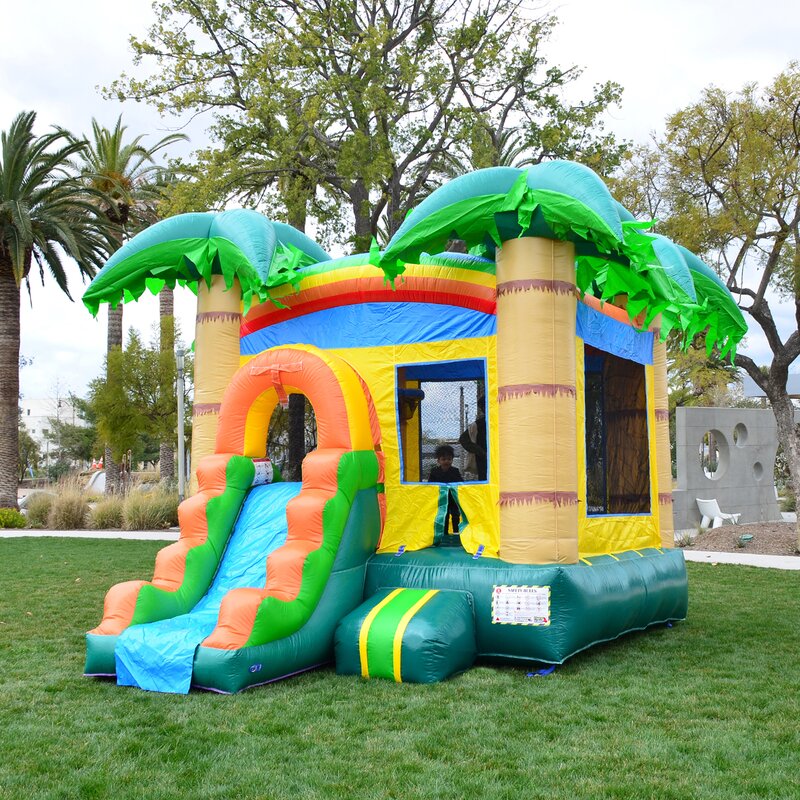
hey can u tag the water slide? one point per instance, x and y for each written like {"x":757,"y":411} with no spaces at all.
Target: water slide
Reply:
{"x":262,"y":573}
{"x":159,"y":656}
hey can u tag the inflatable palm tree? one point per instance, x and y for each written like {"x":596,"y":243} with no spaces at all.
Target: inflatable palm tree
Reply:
{"x":556,"y":233}
{"x":228,"y":259}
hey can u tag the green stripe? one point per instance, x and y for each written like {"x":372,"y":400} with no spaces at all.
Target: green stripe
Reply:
{"x":380,"y":643}
{"x":441,"y":513}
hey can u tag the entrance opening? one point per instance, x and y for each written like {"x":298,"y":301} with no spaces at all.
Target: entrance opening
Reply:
{"x":617,"y":443}
{"x":442,"y":404}
{"x":280,"y":436}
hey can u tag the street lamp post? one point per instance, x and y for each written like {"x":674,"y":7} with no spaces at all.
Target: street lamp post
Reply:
{"x":181,"y":456}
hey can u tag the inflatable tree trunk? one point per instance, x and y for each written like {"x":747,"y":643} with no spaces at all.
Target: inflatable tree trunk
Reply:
{"x":663,"y":456}
{"x":536,"y":306}
{"x":216,"y":360}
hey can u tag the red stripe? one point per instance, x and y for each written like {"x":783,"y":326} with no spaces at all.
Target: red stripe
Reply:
{"x":484,"y":303}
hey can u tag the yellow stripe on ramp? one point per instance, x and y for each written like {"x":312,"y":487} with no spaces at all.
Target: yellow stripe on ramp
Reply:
{"x":365,"y":626}
{"x":401,"y":629}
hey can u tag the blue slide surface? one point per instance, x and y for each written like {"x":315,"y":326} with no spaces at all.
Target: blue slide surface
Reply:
{"x":159,"y":656}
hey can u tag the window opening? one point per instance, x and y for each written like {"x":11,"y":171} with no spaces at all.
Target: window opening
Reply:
{"x":617,"y":442}
{"x":442,"y":404}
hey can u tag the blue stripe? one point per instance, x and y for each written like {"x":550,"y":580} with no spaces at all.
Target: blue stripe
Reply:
{"x":374,"y":325}
{"x":613,"y":336}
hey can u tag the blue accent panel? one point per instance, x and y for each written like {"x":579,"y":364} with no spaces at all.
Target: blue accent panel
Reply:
{"x":159,"y":656}
{"x":374,"y":325}
{"x":472,"y":370}
{"x":613,"y":336}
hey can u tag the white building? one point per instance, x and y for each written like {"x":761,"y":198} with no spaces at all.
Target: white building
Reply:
{"x":37,"y":414}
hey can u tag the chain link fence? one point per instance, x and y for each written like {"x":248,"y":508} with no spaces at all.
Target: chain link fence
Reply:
{"x":446,"y":410}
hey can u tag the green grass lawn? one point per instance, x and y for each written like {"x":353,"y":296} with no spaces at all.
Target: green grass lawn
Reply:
{"x":706,"y":709}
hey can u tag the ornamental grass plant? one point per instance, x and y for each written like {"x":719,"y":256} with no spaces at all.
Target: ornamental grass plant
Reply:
{"x":68,"y":511}
{"x":147,"y":511}
{"x":38,"y":509}
{"x":107,"y":514}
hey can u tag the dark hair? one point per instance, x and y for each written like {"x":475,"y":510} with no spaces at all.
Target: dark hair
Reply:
{"x":445,"y":450}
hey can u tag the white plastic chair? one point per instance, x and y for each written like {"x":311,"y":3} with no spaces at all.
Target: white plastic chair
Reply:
{"x":711,"y":514}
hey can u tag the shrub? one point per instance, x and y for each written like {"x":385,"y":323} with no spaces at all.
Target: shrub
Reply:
{"x":789,"y":503}
{"x":107,"y":514}
{"x":11,"y":518}
{"x":147,"y":511}
{"x":69,"y":511}
{"x":38,"y":508}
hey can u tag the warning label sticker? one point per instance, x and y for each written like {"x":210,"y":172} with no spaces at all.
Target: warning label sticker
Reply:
{"x":521,"y":605}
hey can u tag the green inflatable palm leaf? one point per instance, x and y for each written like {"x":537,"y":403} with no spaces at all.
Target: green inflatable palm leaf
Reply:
{"x":188,"y":248}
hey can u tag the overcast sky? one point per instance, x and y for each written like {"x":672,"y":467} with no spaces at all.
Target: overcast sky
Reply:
{"x":54,"y":55}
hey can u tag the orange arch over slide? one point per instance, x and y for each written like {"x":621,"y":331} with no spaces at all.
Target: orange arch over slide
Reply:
{"x":346,"y":422}
{"x":346,"y":418}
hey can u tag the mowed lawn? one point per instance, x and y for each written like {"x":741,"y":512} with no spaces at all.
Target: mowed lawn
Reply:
{"x":706,"y":709}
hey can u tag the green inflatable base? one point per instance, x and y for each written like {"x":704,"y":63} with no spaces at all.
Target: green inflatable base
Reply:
{"x":546,"y":612}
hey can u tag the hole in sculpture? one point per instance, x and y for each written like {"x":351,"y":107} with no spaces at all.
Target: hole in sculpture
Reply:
{"x":740,"y":435}
{"x":713,"y":453}
{"x":758,"y":470}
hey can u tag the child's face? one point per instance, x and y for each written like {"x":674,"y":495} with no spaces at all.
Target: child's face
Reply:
{"x":445,"y":461}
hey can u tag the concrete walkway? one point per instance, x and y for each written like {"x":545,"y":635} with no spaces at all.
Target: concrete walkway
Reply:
{"x":748,"y":559}
{"x":702,"y":556}
{"x":166,"y":536}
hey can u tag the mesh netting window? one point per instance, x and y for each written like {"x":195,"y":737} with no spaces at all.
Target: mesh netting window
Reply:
{"x":442,"y":404}
{"x":617,"y":443}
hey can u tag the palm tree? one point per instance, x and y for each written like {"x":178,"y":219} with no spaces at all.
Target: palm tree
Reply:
{"x":44,"y":214}
{"x":131,"y":183}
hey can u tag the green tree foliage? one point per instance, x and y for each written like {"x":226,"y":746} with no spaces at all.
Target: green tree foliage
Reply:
{"x":134,"y":402}
{"x":358,"y":104}
{"x":726,"y":181}
{"x":697,"y":379}
{"x":45,"y":214}
{"x":125,"y":176}
{"x":29,"y":454}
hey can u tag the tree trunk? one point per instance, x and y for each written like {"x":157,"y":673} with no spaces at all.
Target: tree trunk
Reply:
{"x":538,"y":473}
{"x":297,"y":437}
{"x":789,"y":436}
{"x":359,"y":198}
{"x":216,"y":359}
{"x":114,"y":339}
{"x":166,"y":321}
{"x":9,"y":385}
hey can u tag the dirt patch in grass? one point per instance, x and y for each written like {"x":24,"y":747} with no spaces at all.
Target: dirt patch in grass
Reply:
{"x":769,"y":538}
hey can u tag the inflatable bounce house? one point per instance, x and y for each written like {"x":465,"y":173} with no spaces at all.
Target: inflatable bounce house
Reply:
{"x":554,"y":530}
